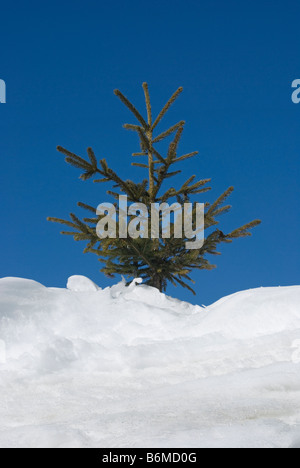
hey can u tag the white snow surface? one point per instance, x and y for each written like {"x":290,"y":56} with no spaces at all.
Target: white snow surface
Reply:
{"x":131,"y":367}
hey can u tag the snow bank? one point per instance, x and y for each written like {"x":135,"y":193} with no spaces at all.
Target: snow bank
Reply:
{"x":131,"y":367}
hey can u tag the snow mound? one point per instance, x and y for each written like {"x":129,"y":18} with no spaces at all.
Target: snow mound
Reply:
{"x":79,"y":283}
{"x":131,"y":367}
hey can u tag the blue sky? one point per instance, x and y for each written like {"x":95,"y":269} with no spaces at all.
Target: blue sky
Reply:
{"x":236,"y":61}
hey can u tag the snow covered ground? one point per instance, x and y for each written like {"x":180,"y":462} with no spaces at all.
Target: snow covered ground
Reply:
{"x":130,"y":367}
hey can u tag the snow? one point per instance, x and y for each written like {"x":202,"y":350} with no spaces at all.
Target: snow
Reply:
{"x":131,"y":367}
{"x":79,"y":283}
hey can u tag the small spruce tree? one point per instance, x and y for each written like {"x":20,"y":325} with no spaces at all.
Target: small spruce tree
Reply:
{"x":157,"y":261}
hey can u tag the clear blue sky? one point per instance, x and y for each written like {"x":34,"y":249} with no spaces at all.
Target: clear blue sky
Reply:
{"x":236,"y":60}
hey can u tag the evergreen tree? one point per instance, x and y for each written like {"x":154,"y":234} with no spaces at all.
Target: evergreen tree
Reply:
{"x":157,"y":261}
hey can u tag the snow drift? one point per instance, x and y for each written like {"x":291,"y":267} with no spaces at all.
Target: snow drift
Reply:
{"x":131,"y":367}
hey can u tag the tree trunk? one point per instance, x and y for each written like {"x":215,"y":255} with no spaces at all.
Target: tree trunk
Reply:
{"x":156,"y":282}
